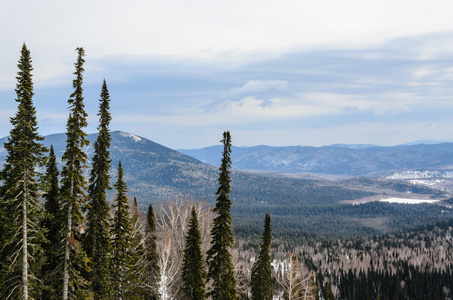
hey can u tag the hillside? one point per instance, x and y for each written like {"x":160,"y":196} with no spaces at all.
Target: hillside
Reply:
{"x":156,"y":173}
{"x":351,"y":160}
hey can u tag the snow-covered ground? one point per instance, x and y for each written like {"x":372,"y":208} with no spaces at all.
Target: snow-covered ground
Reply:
{"x":130,"y":135}
{"x":408,"y":201}
{"x":418,"y":174}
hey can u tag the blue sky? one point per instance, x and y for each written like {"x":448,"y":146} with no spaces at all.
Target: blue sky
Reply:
{"x":276,"y":73}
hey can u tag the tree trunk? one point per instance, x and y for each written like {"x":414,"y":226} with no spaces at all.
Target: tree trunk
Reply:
{"x":67,"y":245}
{"x":24,"y":240}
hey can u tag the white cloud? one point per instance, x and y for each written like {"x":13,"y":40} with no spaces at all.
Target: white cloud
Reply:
{"x":251,"y":110}
{"x":168,"y":61}
{"x":201,"y":28}
{"x":395,"y":109}
{"x":254,"y":87}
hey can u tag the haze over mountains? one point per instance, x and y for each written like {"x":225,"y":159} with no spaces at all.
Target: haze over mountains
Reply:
{"x":351,"y":160}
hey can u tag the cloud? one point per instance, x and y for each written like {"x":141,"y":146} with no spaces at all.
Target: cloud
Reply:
{"x":392,"y":110}
{"x":203,"y":29}
{"x":350,"y":108}
{"x":305,"y":92}
{"x":257,"y":87}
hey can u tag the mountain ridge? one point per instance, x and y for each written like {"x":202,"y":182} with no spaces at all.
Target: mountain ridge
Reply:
{"x":351,"y":160}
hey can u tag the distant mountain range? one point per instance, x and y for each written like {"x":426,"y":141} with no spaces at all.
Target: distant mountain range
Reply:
{"x":299,"y":206}
{"x":155,"y":173}
{"x":351,"y":160}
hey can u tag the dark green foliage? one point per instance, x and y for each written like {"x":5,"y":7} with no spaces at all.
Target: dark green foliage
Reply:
{"x":74,"y":157}
{"x":150,"y":267}
{"x":51,"y":223}
{"x":220,"y":267}
{"x":193,"y":273}
{"x":97,"y":238}
{"x":391,"y":266}
{"x":261,"y":284}
{"x":122,"y":276}
{"x":406,"y":282}
{"x":73,"y":187}
{"x":20,"y":211}
{"x":304,"y":222}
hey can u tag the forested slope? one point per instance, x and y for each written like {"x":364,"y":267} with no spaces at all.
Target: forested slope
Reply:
{"x":301,"y":207}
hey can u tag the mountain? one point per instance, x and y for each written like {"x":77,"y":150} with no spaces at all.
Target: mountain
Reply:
{"x":299,"y":207}
{"x":351,"y":160}
{"x":155,"y":173}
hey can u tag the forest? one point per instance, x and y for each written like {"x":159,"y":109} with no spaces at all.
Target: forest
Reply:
{"x":60,"y":238}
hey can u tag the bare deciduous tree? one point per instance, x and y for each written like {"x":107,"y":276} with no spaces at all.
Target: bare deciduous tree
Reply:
{"x":297,"y":282}
{"x":171,"y":225}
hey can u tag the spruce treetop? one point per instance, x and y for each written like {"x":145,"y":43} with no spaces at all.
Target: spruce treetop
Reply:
{"x":51,"y":195}
{"x":97,"y":236}
{"x":75,"y":158}
{"x":150,"y":268}
{"x":123,"y":264}
{"x":73,"y":186}
{"x":193,"y":272}
{"x":20,"y":209}
{"x":120,"y":185}
{"x":150,"y":220}
{"x":221,"y":269}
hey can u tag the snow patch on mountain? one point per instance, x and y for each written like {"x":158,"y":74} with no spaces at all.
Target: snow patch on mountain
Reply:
{"x":408,"y":201}
{"x":417,"y":174}
{"x":130,"y":135}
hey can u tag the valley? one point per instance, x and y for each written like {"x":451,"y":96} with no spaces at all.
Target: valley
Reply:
{"x":303,"y":204}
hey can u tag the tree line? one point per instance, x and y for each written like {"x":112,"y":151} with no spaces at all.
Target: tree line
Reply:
{"x":60,"y":238}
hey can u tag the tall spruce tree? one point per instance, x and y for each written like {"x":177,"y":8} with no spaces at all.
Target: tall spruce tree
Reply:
{"x":261,"y":282}
{"x":220,"y":267}
{"x":51,"y":222}
{"x":21,"y":210}
{"x":122,"y":235}
{"x":97,"y":237}
{"x":73,"y":186}
{"x":193,"y":272}
{"x":149,"y":262}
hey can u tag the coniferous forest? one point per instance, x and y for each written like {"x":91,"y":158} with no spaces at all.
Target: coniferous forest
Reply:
{"x":61,"y":237}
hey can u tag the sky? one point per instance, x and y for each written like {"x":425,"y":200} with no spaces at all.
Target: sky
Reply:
{"x":280,"y":73}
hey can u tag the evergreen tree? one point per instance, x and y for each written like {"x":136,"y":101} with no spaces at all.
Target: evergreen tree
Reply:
{"x":220,"y":267}
{"x":149,"y":262}
{"x":73,"y":187}
{"x":97,"y":239}
{"x":21,"y":211}
{"x":51,"y":223}
{"x":122,"y":235}
{"x":193,"y":273}
{"x":261,"y":284}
